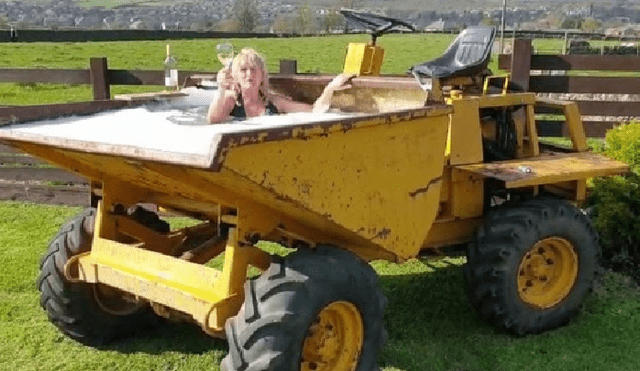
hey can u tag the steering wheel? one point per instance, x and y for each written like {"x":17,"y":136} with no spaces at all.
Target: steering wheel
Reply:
{"x":375,"y":23}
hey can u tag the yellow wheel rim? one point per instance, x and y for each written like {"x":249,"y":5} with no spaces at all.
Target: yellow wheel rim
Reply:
{"x":547,"y":272}
{"x":334,"y":340}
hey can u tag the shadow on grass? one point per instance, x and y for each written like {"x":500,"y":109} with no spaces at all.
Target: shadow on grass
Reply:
{"x":430,"y":323}
{"x":169,"y":336}
{"x":432,"y":327}
{"x":427,"y":318}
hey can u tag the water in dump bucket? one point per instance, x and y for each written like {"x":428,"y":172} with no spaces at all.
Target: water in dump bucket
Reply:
{"x":178,"y":125}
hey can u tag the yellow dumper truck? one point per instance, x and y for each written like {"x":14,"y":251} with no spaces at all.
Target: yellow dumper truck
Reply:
{"x":408,"y":165}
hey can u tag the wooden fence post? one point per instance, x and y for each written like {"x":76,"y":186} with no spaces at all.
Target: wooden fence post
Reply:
{"x":521,"y":63}
{"x":100,"y":79}
{"x":288,"y":66}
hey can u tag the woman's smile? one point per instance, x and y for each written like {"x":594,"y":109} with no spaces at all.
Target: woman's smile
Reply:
{"x":250,"y":76}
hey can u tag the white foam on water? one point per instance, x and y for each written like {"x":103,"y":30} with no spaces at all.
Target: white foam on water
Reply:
{"x":174,"y":126}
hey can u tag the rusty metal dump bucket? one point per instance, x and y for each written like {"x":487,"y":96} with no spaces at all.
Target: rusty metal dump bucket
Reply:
{"x":368,"y":182}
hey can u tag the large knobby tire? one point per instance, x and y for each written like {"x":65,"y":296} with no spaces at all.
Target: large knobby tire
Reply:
{"x":317,"y":310}
{"x":91,"y":314}
{"x":532,"y":265}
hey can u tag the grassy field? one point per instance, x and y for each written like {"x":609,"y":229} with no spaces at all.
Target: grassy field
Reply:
{"x":314,"y":54}
{"x":430,"y":324}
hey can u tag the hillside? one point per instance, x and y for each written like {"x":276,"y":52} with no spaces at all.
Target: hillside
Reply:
{"x":282,"y":15}
{"x":434,"y":5}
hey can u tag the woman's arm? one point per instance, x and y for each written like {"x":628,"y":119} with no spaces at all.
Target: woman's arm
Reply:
{"x":340,"y":82}
{"x":225,"y":100}
{"x":322,"y":104}
{"x":288,"y":105}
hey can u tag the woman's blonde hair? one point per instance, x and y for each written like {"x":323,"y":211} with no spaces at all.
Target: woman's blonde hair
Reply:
{"x":251,"y":57}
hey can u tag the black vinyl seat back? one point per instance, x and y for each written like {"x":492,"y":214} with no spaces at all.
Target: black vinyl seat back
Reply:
{"x":468,"y":55}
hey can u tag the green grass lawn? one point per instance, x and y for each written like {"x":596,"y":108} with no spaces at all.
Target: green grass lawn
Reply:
{"x":430,"y":324}
{"x":314,"y":54}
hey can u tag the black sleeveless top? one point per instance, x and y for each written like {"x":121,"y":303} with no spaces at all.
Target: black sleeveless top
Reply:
{"x":238,"y":111}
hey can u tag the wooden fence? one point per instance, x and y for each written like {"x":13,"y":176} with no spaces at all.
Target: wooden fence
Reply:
{"x":606,"y":87}
{"x":24,"y":178}
{"x":27,"y":179}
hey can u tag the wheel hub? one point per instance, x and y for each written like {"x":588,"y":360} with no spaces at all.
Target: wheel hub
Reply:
{"x":547,"y":272}
{"x":114,"y":301}
{"x":334,"y":340}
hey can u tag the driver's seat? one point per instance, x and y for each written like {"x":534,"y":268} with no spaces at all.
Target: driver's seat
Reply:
{"x":467,"y":56}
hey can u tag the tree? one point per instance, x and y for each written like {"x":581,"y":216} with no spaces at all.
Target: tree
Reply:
{"x":552,"y":21}
{"x":331,"y":21}
{"x":246,"y":14}
{"x":4,"y":21}
{"x":572,"y":23}
{"x":591,"y":25}
{"x":351,"y":4}
{"x":488,"y":21}
{"x":228,"y":25}
{"x":283,"y":24}
{"x":304,"y":20}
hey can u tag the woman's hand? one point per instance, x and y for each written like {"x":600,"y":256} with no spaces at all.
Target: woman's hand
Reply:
{"x":340,"y":82}
{"x":224,"y":79}
{"x":225,"y":99}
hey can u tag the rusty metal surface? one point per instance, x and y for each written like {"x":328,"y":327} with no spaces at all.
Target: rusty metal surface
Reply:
{"x":548,"y":169}
{"x":226,"y":136}
{"x":304,"y":131}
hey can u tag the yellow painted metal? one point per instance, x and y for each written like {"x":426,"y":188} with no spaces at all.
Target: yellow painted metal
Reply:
{"x":334,"y":341}
{"x":379,"y":182}
{"x":573,"y":120}
{"x":155,"y":277}
{"x":509,"y":100}
{"x":363,"y":59}
{"x":465,"y":142}
{"x":505,"y":85}
{"x":532,"y":132}
{"x":467,"y":194}
{"x":547,"y":272}
{"x":207,"y":295}
{"x":152,"y":240}
{"x":451,"y":231}
{"x":548,"y":169}
{"x":234,"y":271}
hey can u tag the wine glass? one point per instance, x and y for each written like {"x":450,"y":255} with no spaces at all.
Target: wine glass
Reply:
{"x":225,"y":53}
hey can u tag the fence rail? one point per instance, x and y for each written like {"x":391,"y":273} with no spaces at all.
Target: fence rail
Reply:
{"x":605,"y":96}
{"x":28,"y":179}
{"x":25,"y":178}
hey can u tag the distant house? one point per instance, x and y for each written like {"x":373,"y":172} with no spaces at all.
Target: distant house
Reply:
{"x":627,"y":30}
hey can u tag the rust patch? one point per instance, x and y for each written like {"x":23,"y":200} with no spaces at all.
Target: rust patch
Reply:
{"x":425,"y":189}
{"x":382,"y":234}
{"x":313,"y":129}
{"x":509,"y":174}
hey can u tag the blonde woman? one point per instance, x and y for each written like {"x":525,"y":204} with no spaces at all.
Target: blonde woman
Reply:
{"x":244,"y":91}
